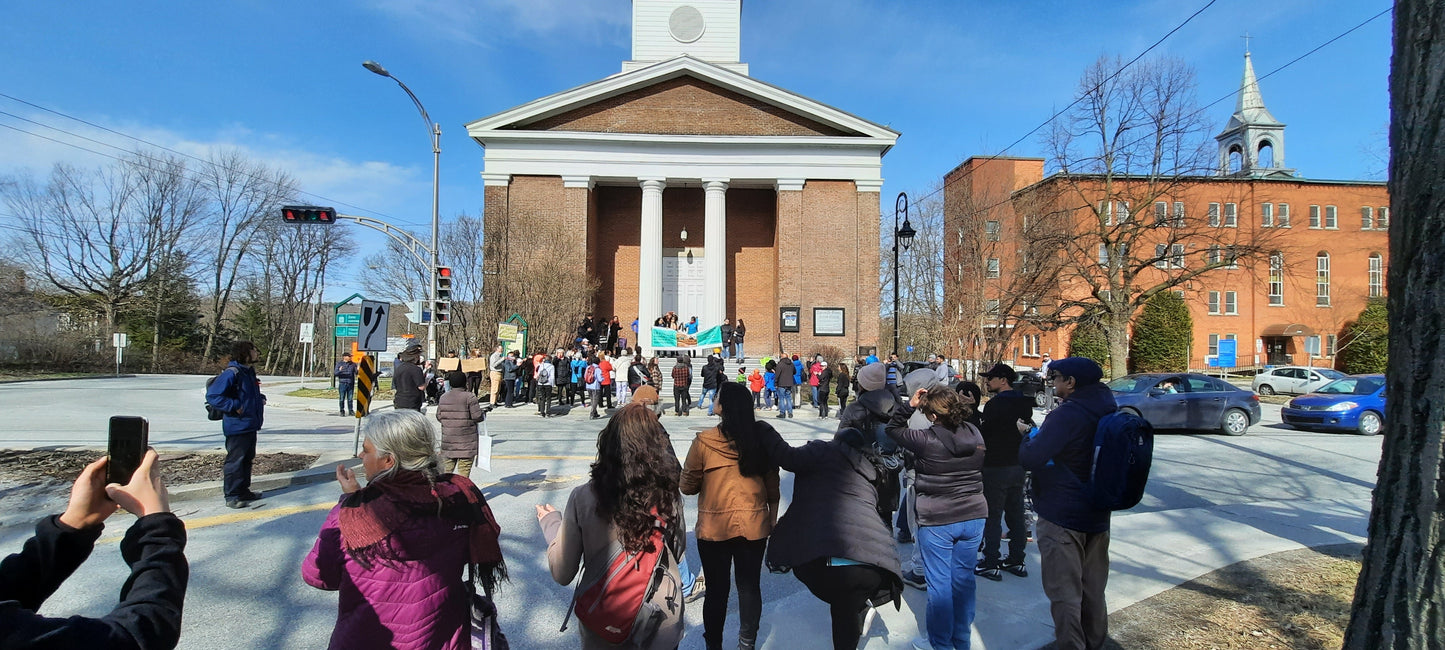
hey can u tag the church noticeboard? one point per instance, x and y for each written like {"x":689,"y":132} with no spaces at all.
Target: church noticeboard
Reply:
{"x":788,"y":318}
{"x":828,"y":321}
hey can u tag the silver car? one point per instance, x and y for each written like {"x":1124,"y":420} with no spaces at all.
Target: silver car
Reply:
{"x":1293,"y":380}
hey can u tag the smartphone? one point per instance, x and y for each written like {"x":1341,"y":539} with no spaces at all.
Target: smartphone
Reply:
{"x":129,"y":438}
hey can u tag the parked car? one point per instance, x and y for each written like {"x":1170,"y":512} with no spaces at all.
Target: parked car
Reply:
{"x":1293,"y":380}
{"x":1353,"y":403}
{"x":1031,"y":384}
{"x":1187,"y":401}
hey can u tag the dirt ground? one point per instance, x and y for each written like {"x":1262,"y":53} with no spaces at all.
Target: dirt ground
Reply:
{"x":1296,"y":599}
{"x":20,"y":467}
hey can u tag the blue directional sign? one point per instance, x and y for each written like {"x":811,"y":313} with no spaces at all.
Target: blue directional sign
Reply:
{"x":345,"y":331}
{"x":910,"y":348}
{"x":1227,"y":350}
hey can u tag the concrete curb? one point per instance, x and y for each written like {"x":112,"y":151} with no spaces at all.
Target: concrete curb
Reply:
{"x":21,"y":381}
{"x":324,"y":470}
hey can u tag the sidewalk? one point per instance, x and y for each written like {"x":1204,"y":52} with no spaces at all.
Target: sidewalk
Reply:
{"x":1150,"y":552}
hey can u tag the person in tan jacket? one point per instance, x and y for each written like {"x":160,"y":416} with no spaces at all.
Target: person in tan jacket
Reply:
{"x":737,"y":488}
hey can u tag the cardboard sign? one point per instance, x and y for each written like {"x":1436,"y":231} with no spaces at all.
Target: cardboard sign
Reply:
{"x":474,"y":365}
{"x":448,"y":364}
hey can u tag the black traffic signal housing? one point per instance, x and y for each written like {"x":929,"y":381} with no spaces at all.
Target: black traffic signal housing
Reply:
{"x":442,"y":308}
{"x":308,"y":214}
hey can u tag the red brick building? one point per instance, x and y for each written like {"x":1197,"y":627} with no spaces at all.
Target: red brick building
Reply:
{"x":1309,"y":253}
{"x":688,"y":186}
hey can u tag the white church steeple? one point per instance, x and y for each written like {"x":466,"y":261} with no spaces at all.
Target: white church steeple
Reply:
{"x":708,"y":30}
{"x":1252,"y":143}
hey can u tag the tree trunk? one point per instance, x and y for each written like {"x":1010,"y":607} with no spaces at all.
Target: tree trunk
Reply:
{"x":1116,"y":328}
{"x":1400,"y":597}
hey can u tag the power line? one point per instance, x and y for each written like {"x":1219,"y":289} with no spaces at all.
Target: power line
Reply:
{"x":157,"y":146}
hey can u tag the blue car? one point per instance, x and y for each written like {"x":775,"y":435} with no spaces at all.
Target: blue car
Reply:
{"x":1355,"y":403}
{"x":1187,"y":401}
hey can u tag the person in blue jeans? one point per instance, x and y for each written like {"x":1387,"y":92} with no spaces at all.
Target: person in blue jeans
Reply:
{"x":950,"y":506}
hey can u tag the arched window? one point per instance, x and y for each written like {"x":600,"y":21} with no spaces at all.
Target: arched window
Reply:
{"x":1322,"y":279}
{"x":1276,"y":278}
{"x":1236,"y":159}
{"x":1265,"y":154}
{"x":1377,"y":275}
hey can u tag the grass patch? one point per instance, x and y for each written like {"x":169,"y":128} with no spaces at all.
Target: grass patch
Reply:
{"x":22,"y":375}
{"x":383,"y":385}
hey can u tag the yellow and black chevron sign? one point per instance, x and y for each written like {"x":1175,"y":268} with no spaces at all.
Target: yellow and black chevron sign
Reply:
{"x":365,"y":384}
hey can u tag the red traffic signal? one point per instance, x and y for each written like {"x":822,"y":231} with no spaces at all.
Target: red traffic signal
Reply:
{"x":308,"y":214}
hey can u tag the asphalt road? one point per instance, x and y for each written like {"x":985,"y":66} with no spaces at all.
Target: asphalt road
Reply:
{"x":246,"y":590}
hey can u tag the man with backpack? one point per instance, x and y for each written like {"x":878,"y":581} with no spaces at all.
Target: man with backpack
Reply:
{"x":1073,"y":532}
{"x":236,"y":393}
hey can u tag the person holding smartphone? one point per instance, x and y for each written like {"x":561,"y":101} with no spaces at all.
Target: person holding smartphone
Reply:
{"x":237,"y":393}
{"x":149,"y":612}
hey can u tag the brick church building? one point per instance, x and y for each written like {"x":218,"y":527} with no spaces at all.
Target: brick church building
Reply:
{"x":685,"y":185}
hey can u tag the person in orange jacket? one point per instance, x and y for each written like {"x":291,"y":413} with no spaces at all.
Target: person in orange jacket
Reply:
{"x":755,"y":384}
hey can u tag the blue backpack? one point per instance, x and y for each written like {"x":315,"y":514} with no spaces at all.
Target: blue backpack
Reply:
{"x":1123,"y":452}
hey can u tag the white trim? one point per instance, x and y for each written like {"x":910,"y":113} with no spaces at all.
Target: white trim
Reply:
{"x":871,"y":185}
{"x":587,"y":182}
{"x":739,"y":162}
{"x":680,"y":66}
{"x":790,"y":184}
{"x":496,"y":179}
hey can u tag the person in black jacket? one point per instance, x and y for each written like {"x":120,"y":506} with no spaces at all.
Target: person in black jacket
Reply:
{"x":1003,"y":477}
{"x":409,"y":381}
{"x":149,"y":612}
{"x":831,"y":537}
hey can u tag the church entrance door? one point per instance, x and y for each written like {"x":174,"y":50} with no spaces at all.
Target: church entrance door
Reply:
{"x":682,"y":286}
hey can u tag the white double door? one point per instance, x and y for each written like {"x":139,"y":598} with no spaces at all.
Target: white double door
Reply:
{"x":682,"y":286}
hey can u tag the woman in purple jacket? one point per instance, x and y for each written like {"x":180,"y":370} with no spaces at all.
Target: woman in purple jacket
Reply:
{"x":395,"y":549}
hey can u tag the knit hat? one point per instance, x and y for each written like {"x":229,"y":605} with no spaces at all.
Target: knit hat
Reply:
{"x":922,"y":378}
{"x":1083,"y":369}
{"x":872,"y":376}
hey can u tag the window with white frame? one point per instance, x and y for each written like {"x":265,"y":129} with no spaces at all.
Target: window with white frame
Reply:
{"x":1216,"y":254}
{"x":992,"y":307}
{"x":1276,"y":278}
{"x":1213,"y":345}
{"x":1332,"y":217}
{"x":1281,"y":214}
{"x":1314,"y":216}
{"x":991,"y":230}
{"x":1161,"y":213}
{"x":1114,"y":211}
{"x":1178,"y":214}
{"x":1330,"y":341}
{"x":1103,"y":254}
{"x":1161,"y":256}
{"x":1231,"y":303}
{"x":1266,"y":215}
{"x":1176,"y":256}
{"x":1232,"y":256}
{"x":993,"y":267}
{"x":1322,"y":279}
{"x":1214,"y":215}
{"x":1231,"y":215}
{"x":1377,"y":275}
{"x":1382,"y":219}
{"x":1214,"y":302}
{"x":1367,"y":218}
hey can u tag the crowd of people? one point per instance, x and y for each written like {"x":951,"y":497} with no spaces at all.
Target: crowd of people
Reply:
{"x":397,"y":547}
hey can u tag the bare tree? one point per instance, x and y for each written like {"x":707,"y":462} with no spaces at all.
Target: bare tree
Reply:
{"x":1400,"y":596}
{"x":920,"y":279}
{"x":1134,"y":140}
{"x":284,"y":284}
{"x":538,"y":281}
{"x":167,"y":194}
{"x":240,"y":194}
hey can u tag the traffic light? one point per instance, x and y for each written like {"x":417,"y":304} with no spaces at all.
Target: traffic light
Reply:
{"x":442,"y":308}
{"x":308,"y":214}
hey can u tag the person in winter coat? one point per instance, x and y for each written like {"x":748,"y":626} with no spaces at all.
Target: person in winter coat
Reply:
{"x":578,"y":367}
{"x":605,"y":378}
{"x":1003,"y":477}
{"x":814,"y":372}
{"x":951,"y":508}
{"x":738,"y":497}
{"x":345,"y":374}
{"x":799,"y":377}
{"x":459,"y":412}
{"x":712,"y":374}
{"x":637,"y":374}
{"x":739,"y":332}
{"x":786,"y":381}
{"x":681,"y":383}
{"x":844,"y":384}
{"x":770,"y":385}
{"x":1073,"y":535}
{"x":825,"y":382}
{"x":525,"y":371}
{"x":636,"y":473}
{"x":509,"y":378}
{"x":149,"y":612}
{"x":870,"y":413}
{"x":594,"y":385}
{"x":831,"y":537}
{"x":396,"y":548}
{"x":755,"y":385}
{"x":409,"y":380}
{"x":236,"y":392}
{"x":546,"y":378}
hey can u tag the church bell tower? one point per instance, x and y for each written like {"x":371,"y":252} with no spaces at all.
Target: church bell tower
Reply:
{"x":708,"y":30}
{"x":1252,"y":144}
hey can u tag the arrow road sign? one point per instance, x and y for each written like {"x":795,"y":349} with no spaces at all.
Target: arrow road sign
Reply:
{"x":373,"y":326}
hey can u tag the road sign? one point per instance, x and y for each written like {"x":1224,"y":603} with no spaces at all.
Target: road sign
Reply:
{"x":348,"y":319}
{"x":1227,"y":349}
{"x":365,"y":384}
{"x":119,"y":340}
{"x":373,"y":326}
{"x":308,"y":332}
{"x":347,"y":331}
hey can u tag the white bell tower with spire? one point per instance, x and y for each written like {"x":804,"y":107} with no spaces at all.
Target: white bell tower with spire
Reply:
{"x":708,"y":30}
{"x":1252,"y":144}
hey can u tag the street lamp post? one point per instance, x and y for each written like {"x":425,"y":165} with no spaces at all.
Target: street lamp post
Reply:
{"x":905,"y":235}
{"x":434,"y":130}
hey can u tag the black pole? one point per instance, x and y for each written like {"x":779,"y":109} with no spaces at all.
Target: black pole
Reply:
{"x":901,"y":205}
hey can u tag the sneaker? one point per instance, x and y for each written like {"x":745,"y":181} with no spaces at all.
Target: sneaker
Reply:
{"x":699,"y":589}
{"x":234,"y":503}
{"x":914,"y":578}
{"x":920,"y":643}
{"x":868,"y":615}
{"x":1015,"y":567}
{"x":988,"y":570}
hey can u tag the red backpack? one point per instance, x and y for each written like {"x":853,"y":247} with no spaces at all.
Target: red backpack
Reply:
{"x":591,"y":374}
{"x":619,"y":606}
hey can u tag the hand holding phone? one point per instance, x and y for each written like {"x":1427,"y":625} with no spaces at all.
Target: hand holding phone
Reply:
{"x":89,"y":505}
{"x":145,"y":494}
{"x":129,"y":439}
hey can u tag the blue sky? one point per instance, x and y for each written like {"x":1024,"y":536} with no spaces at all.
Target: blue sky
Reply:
{"x":283,"y":80}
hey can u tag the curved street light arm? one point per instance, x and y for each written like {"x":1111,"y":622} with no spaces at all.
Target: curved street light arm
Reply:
{"x":413,"y":245}
{"x":433,"y":129}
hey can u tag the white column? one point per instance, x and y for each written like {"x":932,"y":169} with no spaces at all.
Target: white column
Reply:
{"x":649,"y":262}
{"x":715,"y":249}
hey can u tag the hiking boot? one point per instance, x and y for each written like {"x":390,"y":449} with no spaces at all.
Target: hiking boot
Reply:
{"x":988,"y":569}
{"x":1015,"y":567}
{"x":914,"y":578}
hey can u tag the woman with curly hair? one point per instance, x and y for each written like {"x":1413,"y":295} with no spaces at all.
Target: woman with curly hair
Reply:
{"x":635,"y":475}
{"x":737,"y":506}
{"x":395,"y":548}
